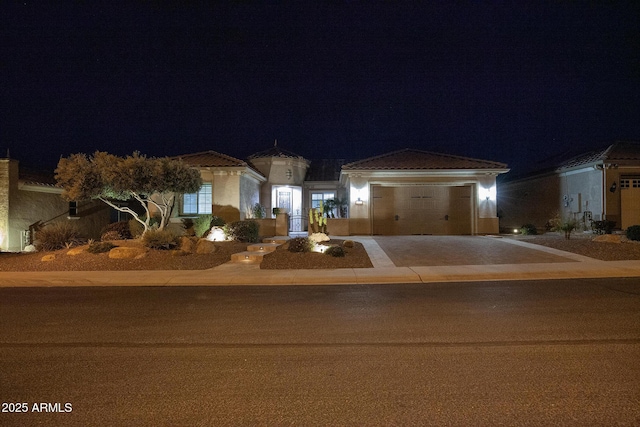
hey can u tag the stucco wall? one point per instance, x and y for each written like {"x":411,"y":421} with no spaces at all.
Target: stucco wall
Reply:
{"x":530,"y":201}
{"x":8,"y":175}
{"x":226,"y":196}
{"x":249,"y":195}
{"x":581,"y":191}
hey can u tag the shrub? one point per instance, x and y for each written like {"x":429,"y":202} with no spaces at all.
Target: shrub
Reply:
{"x":57,"y":236}
{"x":243,"y":231}
{"x":160,"y":239}
{"x":110,"y":235}
{"x":100,"y":247}
{"x":300,"y":244}
{"x":633,"y":232}
{"x":528,"y":229}
{"x":135,"y":228}
{"x":603,"y":227}
{"x":348,"y":244}
{"x":187,"y":225}
{"x":259,"y":211}
{"x":567,"y":225}
{"x":203,"y":223}
{"x":335,"y":251}
{"x":119,"y":229}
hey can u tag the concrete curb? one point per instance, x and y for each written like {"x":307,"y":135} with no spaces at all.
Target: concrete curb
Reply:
{"x":252,"y":275}
{"x":234,"y":274}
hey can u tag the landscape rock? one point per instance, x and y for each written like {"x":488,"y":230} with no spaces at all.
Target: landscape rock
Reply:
{"x":608,"y":238}
{"x":186,"y":244}
{"x":319,"y":237}
{"x":48,"y":258}
{"x":127,"y":252}
{"x":77,"y":250}
{"x":205,"y":246}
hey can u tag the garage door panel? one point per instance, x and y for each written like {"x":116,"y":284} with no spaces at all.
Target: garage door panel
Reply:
{"x":422,"y":209}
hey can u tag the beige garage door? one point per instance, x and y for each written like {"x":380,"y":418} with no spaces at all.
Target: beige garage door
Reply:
{"x":421,"y":209}
{"x":630,"y":198}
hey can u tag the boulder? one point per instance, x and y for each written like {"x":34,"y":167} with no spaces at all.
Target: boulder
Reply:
{"x":187,"y":244}
{"x":319,"y":237}
{"x":77,"y":250}
{"x":205,"y":246}
{"x":127,"y":252}
{"x":48,"y":258}
{"x":608,"y":238}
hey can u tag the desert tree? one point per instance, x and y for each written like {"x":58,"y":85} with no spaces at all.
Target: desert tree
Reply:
{"x":153,"y":182}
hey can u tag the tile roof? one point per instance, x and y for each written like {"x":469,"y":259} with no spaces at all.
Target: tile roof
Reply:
{"x":410,"y":159}
{"x":37,"y":177}
{"x":618,"y":152}
{"x":211,"y":159}
{"x":276,"y":151}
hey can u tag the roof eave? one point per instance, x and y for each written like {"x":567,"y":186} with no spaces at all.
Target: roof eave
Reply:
{"x":424,"y":172}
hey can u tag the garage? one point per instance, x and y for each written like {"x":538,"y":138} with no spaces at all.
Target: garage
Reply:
{"x":630,"y":201}
{"x":422,"y":210}
{"x":414,"y":192}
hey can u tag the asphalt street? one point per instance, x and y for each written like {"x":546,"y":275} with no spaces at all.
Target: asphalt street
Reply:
{"x":484,"y":353}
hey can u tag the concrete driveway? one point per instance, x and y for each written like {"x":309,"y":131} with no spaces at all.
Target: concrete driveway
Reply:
{"x":416,"y":251}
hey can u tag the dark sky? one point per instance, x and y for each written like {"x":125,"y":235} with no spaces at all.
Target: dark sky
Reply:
{"x":509,"y":83}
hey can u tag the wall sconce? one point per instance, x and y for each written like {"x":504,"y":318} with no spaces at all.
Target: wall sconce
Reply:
{"x":613,"y":187}
{"x":359,"y":201}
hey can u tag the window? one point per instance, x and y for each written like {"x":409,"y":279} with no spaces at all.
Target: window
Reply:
{"x":198,"y":203}
{"x":316,"y":198}
{"x":629,"y":183}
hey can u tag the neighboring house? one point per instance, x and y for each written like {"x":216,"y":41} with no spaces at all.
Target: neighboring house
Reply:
{"x":403,"y":192}
{"x":599,"y":185}
{"x":418,"y":192}
{"x":29,"y":200}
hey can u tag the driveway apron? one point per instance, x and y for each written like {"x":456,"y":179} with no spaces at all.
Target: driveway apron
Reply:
{"x":416,"y":251}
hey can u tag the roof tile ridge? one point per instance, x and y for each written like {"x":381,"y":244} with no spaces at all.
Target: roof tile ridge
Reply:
{"x":225,"y":156}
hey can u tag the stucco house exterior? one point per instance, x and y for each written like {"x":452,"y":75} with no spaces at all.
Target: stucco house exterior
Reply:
{"x":402,"y":192}
{"x":420,"y":192}
{"x":598,"y":185}
{"x":29,"y":200}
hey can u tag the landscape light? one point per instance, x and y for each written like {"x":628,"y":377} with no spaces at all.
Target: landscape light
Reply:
{"x":216,"y":235}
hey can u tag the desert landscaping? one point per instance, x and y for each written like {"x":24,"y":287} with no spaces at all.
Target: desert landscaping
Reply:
{"x":612,"y":248}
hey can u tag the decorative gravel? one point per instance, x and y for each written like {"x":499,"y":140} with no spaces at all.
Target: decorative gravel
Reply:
{"x":154,"y":260}
{"x":282,"y":259}
{"x":585,"y":245}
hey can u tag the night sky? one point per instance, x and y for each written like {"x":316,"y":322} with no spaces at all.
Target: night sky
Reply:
{"x":515,"y":83}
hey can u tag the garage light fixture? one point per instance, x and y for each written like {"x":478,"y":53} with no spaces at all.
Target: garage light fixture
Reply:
{"x":487,"y":193}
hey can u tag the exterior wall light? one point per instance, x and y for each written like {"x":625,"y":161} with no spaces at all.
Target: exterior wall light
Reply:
{"x":613,"y":187}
